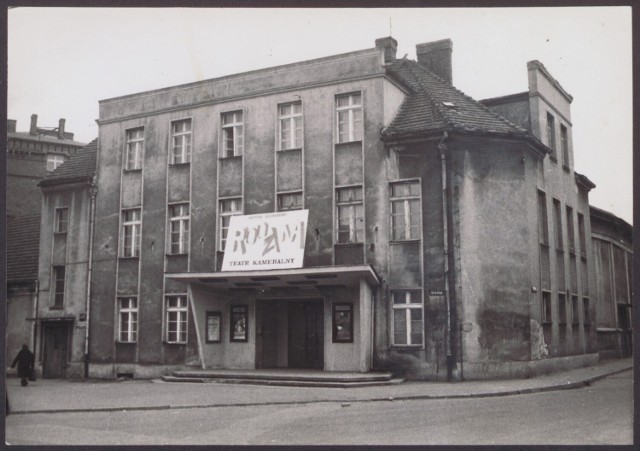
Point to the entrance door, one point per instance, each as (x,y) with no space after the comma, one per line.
(266,334)
(56,343)
(625,325)
(306,334)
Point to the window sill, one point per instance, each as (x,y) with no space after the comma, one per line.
(348,244)
(122,257)
(132,170)
(291,149)
(566,168)
(237,157)
(547,323)
(56,308)
(415,240)
(126,343)
(408,347)
(184,254)
(178,165)
(346,143)
(60,233)
(175,343)
(552,158)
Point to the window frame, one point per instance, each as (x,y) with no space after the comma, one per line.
(551,133)
(59,221)
(185,147)
(182,321)
(408,307)
(55,160)
(131,142)
(222,215)
(355,126)
(59,286)
(407,212)
(131,313)
(237,128)
(356,235)
(183,221)
(279,202)
(296,133)
(136,228)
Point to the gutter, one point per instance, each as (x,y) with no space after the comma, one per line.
(93,191)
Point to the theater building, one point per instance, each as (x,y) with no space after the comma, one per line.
(349,213)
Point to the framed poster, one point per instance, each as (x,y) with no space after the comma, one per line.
(239,330)
(343,322)
(213,327)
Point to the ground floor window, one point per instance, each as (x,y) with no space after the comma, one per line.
(176,319)
(128,313)
(407,317)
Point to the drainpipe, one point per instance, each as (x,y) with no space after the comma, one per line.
(34,326)
(93,191)
(442,147)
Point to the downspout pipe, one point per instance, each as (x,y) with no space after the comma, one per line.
(93,191)
(442,147)
(34,326)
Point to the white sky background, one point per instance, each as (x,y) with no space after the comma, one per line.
(62,61)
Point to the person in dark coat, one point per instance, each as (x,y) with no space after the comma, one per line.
(25,360)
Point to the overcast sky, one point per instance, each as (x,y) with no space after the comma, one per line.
(62,61)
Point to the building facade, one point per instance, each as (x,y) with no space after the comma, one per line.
(403,225)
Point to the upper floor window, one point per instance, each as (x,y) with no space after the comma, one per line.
(128,319)
(176,325)
(350,215)
(179,228)
(290,117)
(551,133)
(181,141)
(135,148)
(582,236)
(131,232)
(557,224)
(405,210)
(564,145)
(349,117)
(543,227)
(232,134)
(570,232)
(62,220)
(228,208)
(59,278)
(407,317)
(289,201)
(53,161)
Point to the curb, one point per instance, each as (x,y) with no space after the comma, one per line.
(555,387)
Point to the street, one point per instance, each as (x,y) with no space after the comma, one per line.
(599,414)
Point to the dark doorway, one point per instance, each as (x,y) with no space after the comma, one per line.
(55,350)
(624,324)
(306,334)
(267,334)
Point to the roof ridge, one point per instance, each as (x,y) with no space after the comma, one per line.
(476,102)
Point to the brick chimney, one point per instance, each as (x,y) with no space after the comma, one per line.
(390,46)
(436,56)
(61,128)
(33,130)
(11,125)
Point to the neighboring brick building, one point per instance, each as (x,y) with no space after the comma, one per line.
(437,238)
(30,157)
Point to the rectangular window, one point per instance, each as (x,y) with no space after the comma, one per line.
(232,134)
(180,142)
(289,201)
(570,230)
(176,319)
(405,211)
(179,228)
(228,208)
(543,228)
(407,317)
(557,224)
(131,232)
(350,215)
(62,220)
(564,145)
(128,317)
(575,313)
(53,161)
(58,276)
(547,317)
(562,309)
(585,311)
(135,149)
(290,119)
(349,117)
(582,237)
(551,133)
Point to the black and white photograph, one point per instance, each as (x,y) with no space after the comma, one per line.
(275,226)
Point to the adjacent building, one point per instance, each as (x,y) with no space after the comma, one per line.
(349,213)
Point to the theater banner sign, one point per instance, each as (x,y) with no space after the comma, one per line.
(266,241)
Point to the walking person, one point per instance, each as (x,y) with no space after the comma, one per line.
(25,360)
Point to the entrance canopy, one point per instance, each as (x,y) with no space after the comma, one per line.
(317,277)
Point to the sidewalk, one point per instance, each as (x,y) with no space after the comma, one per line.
(55,395)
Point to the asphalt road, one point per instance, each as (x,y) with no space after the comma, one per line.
(599,414)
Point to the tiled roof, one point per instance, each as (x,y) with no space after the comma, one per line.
(23,240)
(82,164)
(435,105)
